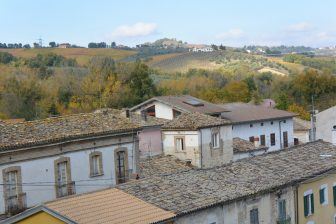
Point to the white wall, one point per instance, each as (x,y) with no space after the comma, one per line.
(303,136)
(238,156)
(38,174)
(191,151)
(325,121)
(239,211)
(244,131)
(161,110)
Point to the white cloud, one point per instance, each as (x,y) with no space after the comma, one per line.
(231,34)
(300,27)
(139,29)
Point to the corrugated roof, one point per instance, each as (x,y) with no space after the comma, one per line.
(241,145)
(181,103)
(244,112)
(57,129)
(188,191)
(108,207)
(194,121)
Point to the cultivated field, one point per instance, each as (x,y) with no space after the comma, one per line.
(82,55)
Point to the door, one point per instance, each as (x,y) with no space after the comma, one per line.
(62,178)
(285,139)
(121,167)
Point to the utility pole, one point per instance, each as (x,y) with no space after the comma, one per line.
(312,121)
(40,41)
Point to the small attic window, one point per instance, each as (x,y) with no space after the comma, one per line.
(194,103)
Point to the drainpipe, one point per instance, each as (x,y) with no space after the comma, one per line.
(280,135)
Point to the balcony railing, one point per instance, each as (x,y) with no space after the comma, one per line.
(66,189)
(284,221)
(16,203)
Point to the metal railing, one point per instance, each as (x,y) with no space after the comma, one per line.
(16,203)
(286,220)
(66,189)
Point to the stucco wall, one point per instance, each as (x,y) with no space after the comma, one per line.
(303,136)
(38,175)
(244,131)
(239,212)
(323,213)
(216,157)
(191,151)
(150,142)
(161,110)
(325,121)
(238,156)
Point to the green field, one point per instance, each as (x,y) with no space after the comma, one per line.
(82,55)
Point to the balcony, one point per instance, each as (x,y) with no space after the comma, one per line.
(65,189)
(284,221)
(16,203)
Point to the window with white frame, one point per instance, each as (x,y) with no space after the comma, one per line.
(323,193)
(215,139)
(308,203)
(254,216)
(96,164)
(282,216)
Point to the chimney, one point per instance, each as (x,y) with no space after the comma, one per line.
(256,141)
(144,115)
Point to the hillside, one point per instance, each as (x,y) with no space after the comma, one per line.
(82,55)
(181,62)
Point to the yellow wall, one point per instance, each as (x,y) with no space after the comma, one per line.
(41,218)
(323,214)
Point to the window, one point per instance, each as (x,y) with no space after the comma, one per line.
(284,121)
(121,163)
(96,164)
(271,122)
(251,139)
(262,140)
(285,139)
(334,219)
(272,139)
(215,140)
(14,198)
(254,216)
(251,125)
(179,144)
(261,124)
(308,203)
(296,141)
(176,113)
(64,185)
(323,193)
(282,210)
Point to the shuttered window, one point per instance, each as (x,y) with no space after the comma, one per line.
(262,140)
(322,199)
(308,204)
(334,195)
(254,216)
(272,139)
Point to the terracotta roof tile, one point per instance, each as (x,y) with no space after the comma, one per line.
(194,121)
(108,207)
(242,145)
(51,130)
(191,190)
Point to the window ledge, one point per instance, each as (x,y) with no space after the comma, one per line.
(96,175)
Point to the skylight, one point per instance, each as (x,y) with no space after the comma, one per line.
(194,103)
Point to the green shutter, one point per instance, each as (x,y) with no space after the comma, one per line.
(322,196)
(312,203)
(334,195)
(305,205)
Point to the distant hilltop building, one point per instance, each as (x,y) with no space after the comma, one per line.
(200,48)
(64,45)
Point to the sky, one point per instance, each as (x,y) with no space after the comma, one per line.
(231,23)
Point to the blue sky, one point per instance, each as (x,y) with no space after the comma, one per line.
(233,23)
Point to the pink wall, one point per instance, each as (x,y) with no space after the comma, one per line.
(150,143)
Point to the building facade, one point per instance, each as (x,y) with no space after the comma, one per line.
(56,157)
(326,125)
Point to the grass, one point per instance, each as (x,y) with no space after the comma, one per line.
(82,55)
(274,71)
(293,67)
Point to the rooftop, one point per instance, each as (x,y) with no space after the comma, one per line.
(194,121)
(185,103)
(244,112)
(301,125)
(56,129)
(110,206)
(241,145)
(188,191)
(161,165)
